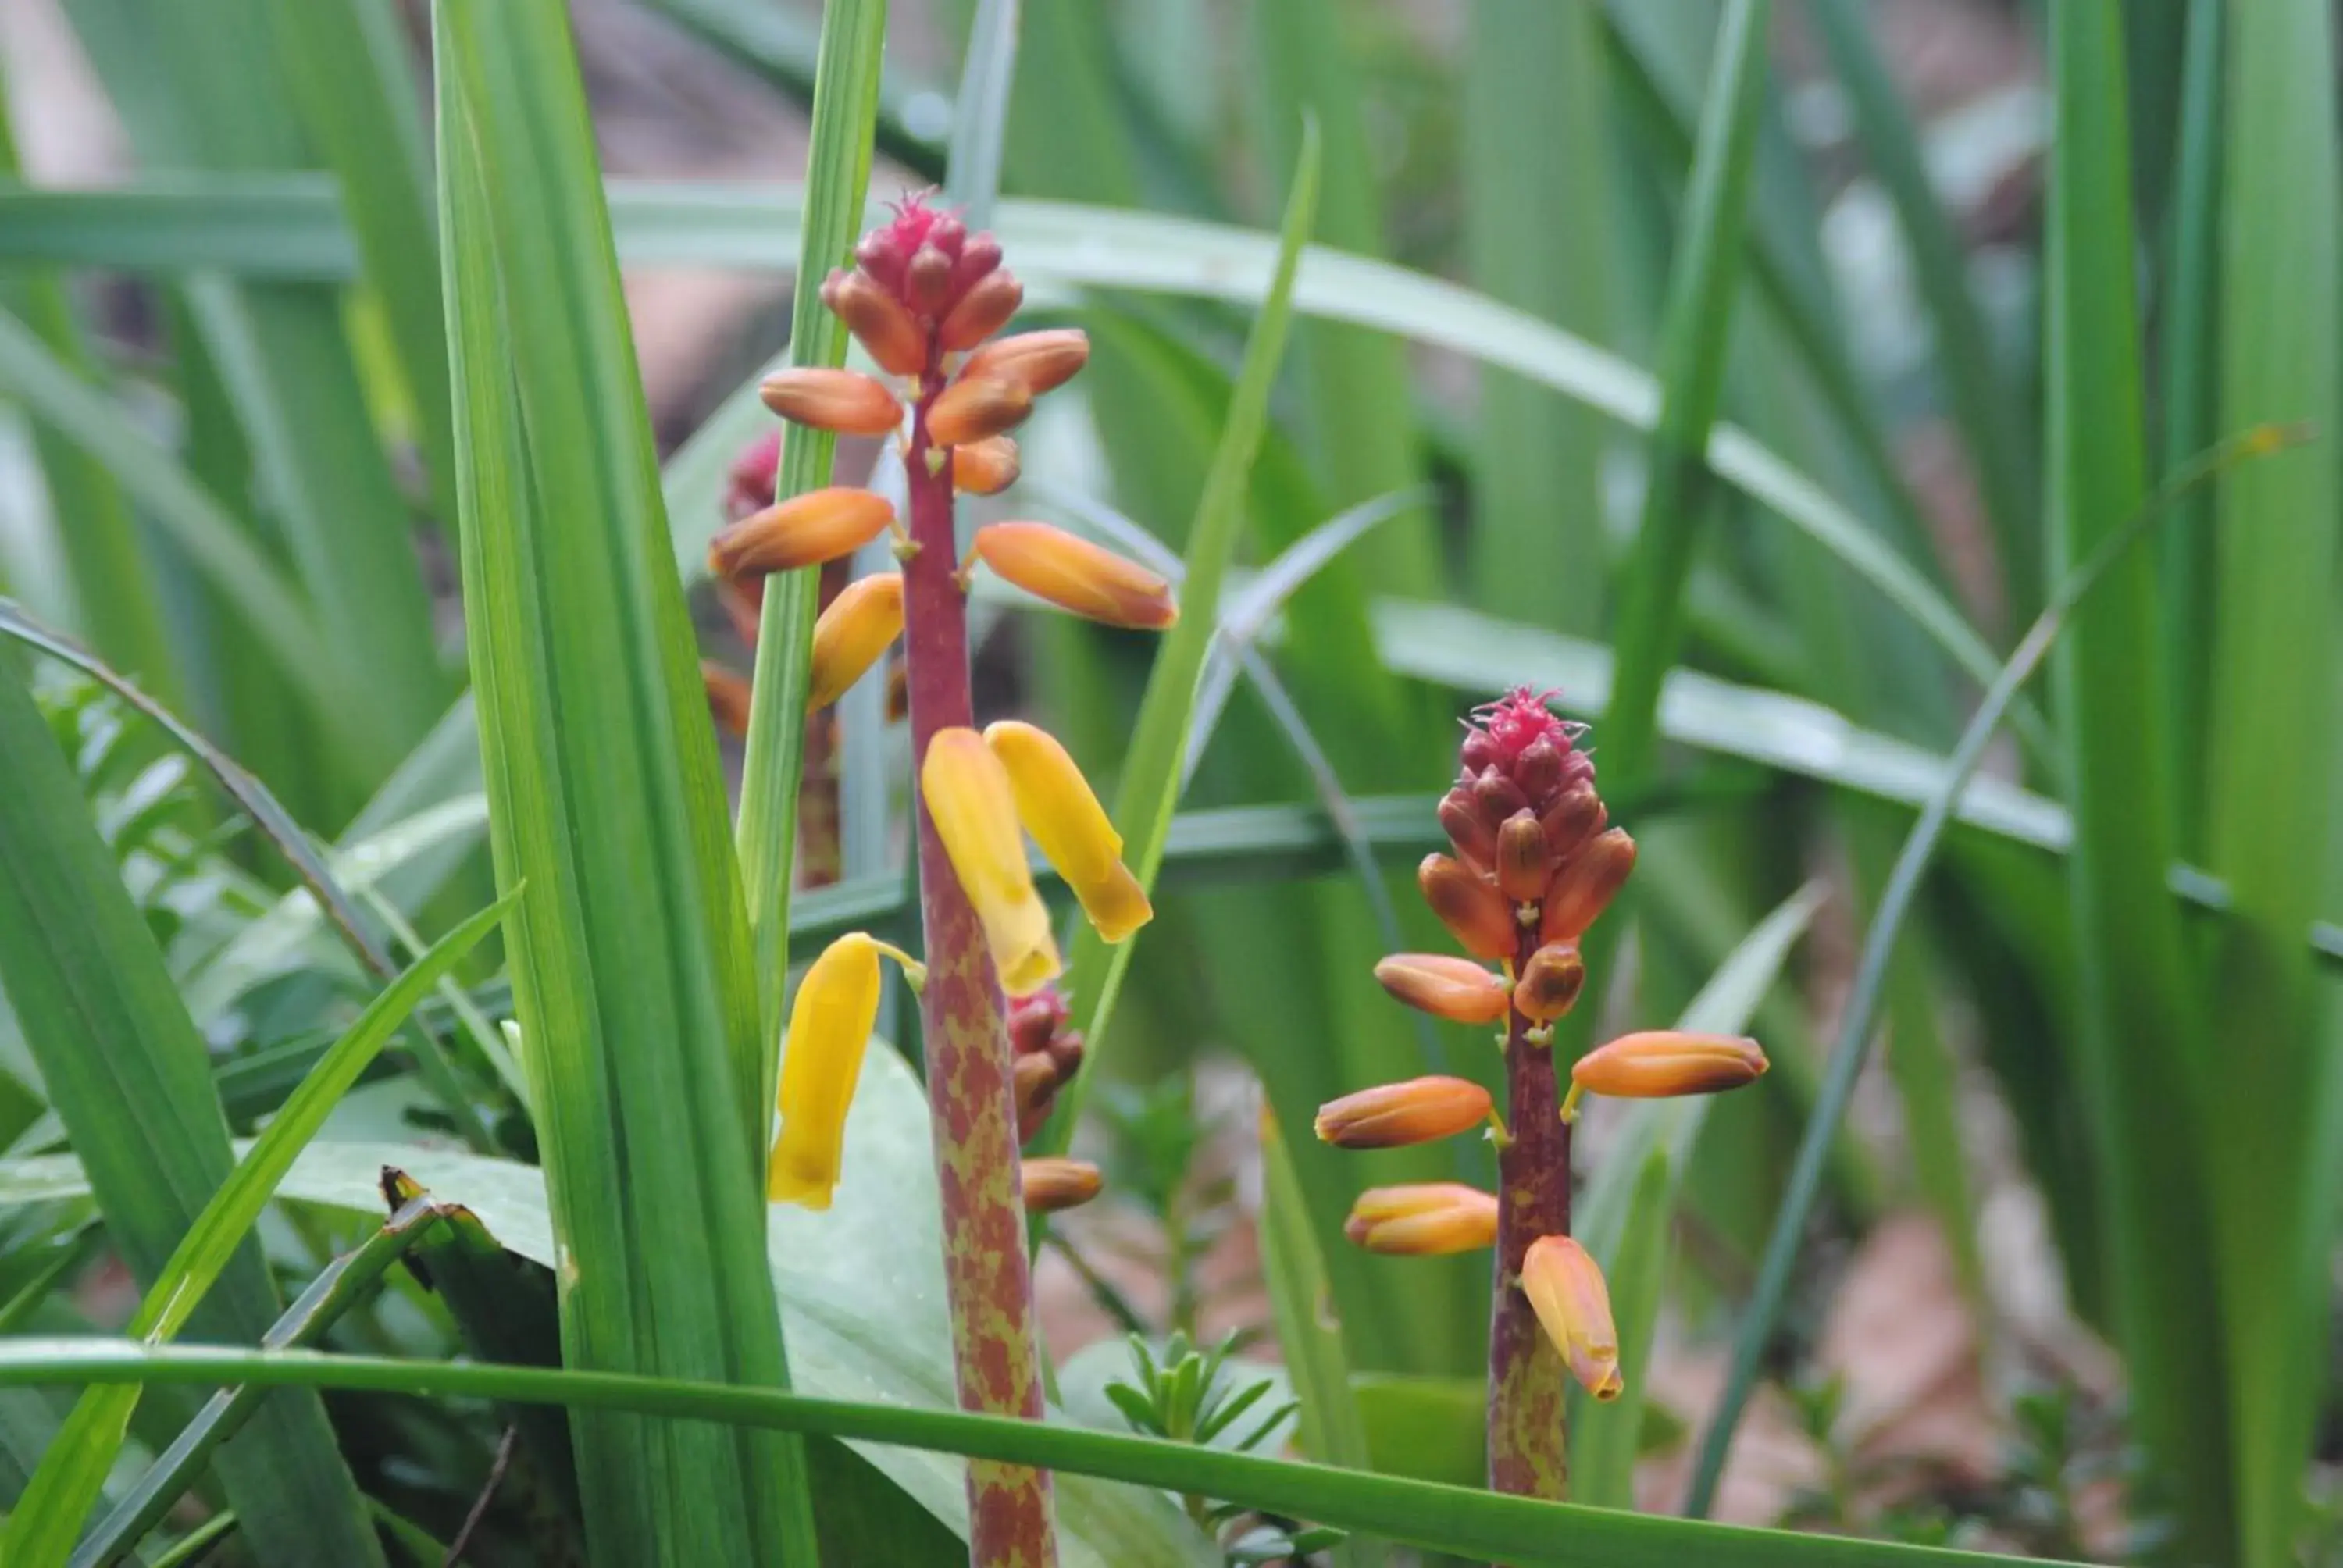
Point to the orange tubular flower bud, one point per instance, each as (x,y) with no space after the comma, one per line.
(1425,1220)
(1523,863)
(1550,982)
(1076,575)
(974,808)
(1035,1080)
(851,634)
(727,698)
(877,319)
(1039,361)
(1469,904)
(1576,815)
(830,1022)
(1055,803)
(1586,885)
(1393,1115)
(1663,1063)
(1053,1183)
(1445,986)
(844,401)
(1566,1291)
(984,468)
(974,407)
(982,311)
(802,531)
(1461,820)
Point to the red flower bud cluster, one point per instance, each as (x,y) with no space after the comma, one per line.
(1046,1051)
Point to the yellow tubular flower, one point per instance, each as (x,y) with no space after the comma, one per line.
(836,1009)
(1565,1289)
(974,807)
(1057,807)
(851,634)
(1424,1220)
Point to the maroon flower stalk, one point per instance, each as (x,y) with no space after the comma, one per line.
(995,1341)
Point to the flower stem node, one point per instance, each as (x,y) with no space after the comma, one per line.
(1470,905)
(1550,982)
(1663,1063)
(846,402)
(1565,1289)
(1053,1184)
(830,1022)
(802,531)
(1445,986)
(973,806)
(1424,1220)
(1393,1115)
(1585,886)
(1076,575)
(852,633)
(1058,808)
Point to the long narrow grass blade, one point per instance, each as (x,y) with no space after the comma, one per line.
(1452,1519)
(2139,1054)
(838,179)
(126,1071)
(606,796)
(1912,863)
(2274,1125)
(1151,774)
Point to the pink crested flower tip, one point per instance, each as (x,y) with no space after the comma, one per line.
(748,486)
(1519,719)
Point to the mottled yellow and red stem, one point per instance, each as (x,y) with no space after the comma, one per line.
(995,1348)
(1527,1454)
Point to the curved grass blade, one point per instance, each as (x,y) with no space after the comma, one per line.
(1912,863)
(1452,1519)
(66,1486)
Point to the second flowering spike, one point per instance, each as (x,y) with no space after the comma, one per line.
(1393,1115)
(971,801)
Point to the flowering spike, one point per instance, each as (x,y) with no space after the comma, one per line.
(802,531)
(971,802)
(974,407)
(1393,1115)
(1565,1289)
(844,401)
(1585,886)
(1663,1063)
(1445,986)
(830,1022)
(1053,1183)
(1550,982)
(1055,803)
(1076,575)
(1469,904)
(1422,1220)
(856,628)
(1038,361)
(984,468)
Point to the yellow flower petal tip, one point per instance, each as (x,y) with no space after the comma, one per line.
(1057,806)
(830,1022)
(1392,1115)
(1660,1065)
(1565,1289)
(1446,986)
(1052,1184)
(802,531)
(972,801)
(859,624)
(1075,574)
(1422,1220)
